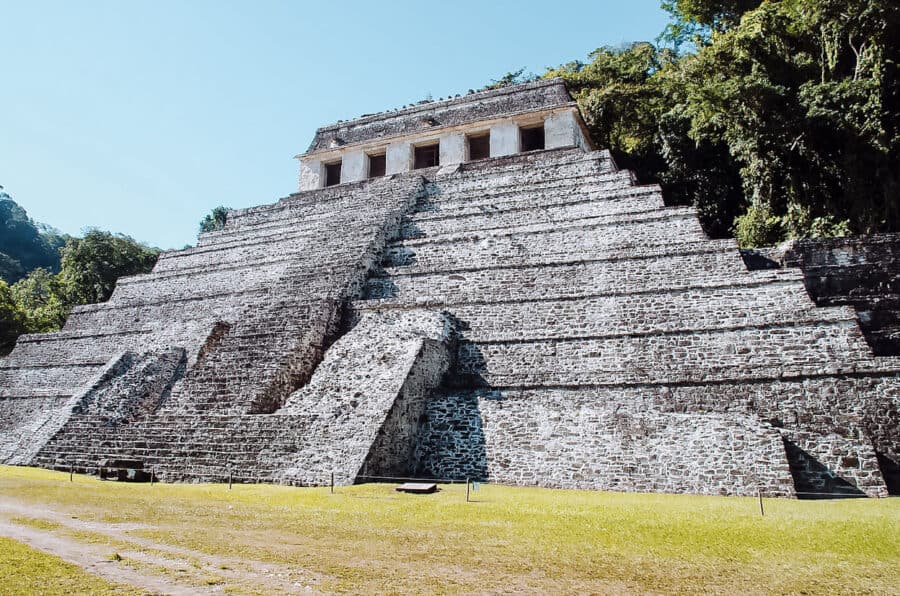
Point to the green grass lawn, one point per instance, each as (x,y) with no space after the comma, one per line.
(26,571)
(371,539)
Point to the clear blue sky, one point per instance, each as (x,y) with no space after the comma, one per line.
(140,117)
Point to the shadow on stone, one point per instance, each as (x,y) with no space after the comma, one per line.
(813,479)
(453,443)
(453,440)
(758,259)
(890,470)
(399,256)
(410,230)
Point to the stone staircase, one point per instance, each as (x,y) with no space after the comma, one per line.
(605,342)
(252,309)
(532,319)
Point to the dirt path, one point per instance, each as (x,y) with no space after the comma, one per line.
(180,570)
(92,559)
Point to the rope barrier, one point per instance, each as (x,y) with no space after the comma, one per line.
(229,477)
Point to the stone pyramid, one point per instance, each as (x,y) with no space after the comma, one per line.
(535,318)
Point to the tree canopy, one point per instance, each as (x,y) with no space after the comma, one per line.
(779,123)
(91,265)
(24,244)
(41,301)
(215,219)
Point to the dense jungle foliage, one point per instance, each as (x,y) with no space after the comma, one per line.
(25,245)
(776,119)
(50,273)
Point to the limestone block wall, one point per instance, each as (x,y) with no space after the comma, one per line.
(604,342)
(35,420)
(466,428)
(374,377)
(393,452)
(863,272)
(145,379)
(560,440)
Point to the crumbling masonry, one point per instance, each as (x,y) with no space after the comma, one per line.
(534,317)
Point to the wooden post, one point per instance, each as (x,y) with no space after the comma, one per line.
(151,476)
(467,490)
(230,477)
(332,482)
(71,473)
(759,494)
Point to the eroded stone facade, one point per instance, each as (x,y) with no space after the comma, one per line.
(531,318)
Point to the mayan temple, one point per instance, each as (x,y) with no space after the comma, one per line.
(468,288)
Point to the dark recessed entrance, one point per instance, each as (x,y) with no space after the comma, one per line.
(479,146)
(532,138)
(426,156)
(332,173)
(377,165)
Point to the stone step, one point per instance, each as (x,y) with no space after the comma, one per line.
(71,347)
(311,211)
(481,176)
(444,199)
(578,240)
(707,264)
(683,357)
(281,276)
(368,197)
(288,240)
(506,215)
(306,253)
(300,220)
(521,223)
(45,380)
(774,303)
(170,312)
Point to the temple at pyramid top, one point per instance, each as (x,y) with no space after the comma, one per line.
(494,123)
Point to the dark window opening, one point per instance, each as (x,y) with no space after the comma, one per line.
(480,146)
(426,156)
(377,165)
(332,173)
(532,138)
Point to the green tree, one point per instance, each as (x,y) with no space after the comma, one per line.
(91,265)
(516,77)
(781,122)
(41,300)
(632,99)
(801,94)
(695,21)
(24,245)
(215,220)
(12,320)
(621,102)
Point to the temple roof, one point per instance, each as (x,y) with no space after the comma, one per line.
(426,115)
